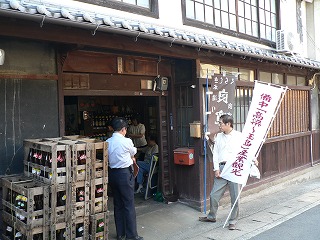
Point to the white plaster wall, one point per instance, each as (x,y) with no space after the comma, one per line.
(288,15)
(317,28)
(170,16)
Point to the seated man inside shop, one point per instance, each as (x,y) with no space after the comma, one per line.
(144,166)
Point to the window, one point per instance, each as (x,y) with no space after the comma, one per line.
(140,3)
(257,18)
(243,73)
(271,77)
(143,7)
(296,81)
(292,116)
(184,115)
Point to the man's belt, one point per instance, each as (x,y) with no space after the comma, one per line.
(222,163)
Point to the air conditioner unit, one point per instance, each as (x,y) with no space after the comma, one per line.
(286,41)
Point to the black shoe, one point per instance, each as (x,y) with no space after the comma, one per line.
(135,238)
(121,238)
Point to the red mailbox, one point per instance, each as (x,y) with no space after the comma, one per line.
(184,156)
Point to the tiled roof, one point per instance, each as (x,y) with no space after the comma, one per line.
(65,15)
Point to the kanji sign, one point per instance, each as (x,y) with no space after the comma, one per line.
(221,100)
(265,101)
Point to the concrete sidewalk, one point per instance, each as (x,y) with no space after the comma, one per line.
(259,211)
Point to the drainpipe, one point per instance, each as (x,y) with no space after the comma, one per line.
(312,81)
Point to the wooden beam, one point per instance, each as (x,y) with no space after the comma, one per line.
(29,76)
(112,93)
(81,38)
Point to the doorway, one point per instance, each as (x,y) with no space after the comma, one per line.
(90,115)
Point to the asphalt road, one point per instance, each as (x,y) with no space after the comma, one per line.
(305,226)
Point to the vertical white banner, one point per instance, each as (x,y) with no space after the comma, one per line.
(263,108)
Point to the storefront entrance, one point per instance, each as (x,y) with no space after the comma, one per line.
(90,116)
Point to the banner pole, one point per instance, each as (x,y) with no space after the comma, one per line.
(205,146)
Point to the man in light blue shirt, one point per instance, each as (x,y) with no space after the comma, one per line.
(121,156)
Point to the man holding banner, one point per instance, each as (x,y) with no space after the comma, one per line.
(222,152)
(234,153)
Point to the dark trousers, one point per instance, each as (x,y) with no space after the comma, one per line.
(122,185)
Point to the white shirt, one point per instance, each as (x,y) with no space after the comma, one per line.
(121,151)
(223,149)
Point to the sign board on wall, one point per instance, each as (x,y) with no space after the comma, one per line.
(221,100)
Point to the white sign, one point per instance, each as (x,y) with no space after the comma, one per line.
(265,101)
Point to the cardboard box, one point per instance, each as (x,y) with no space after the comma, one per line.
(184,156)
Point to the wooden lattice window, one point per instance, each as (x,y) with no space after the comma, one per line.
(293,115)
(256,18)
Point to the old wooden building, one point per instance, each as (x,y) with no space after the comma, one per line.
(108,58)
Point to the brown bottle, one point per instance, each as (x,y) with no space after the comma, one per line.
(80,194)
(9,232)
(99,191)
(38,236)
(100,225)
(82,157)
(30,156)
(61,234)
(61,198)
(38,202)
(36,156)
(61,159)
(48,160)
(79,230)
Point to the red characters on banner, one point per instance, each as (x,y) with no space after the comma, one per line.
(237,166)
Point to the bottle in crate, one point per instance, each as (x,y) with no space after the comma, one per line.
(30,155)
(82,157)
(61,234)
(38,202)
(79,230)
(61,159)
(80,194)
(100,225)
(61,198)
(99,191)
(38,236)
(48,160)
(19,236)
(9,232)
